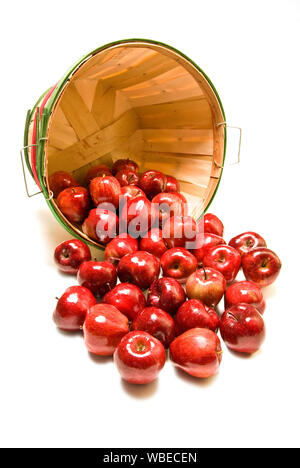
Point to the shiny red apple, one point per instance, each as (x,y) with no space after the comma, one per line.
(152,183)
(172,184)
(245,292)
(166,294)
(242,328)
(247,241)
(139,357)
(127,298)
(125,164)
(118,247)
(169,205)
(207,285)
(127,177)
(128,192)
(140,268)
(103,329)
(61,180)
(74,203)
(72,307)
(225,259)
(157,322)
(261,266)
(197,352)
(178,263)
(98,277)
(153,243)
(180,231)
(70,254)
(194,314)
(101,225)
(137,217)
(105,190)
(205,241)
(97,171)
(212,224)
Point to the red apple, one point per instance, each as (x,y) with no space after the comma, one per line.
(103,329)
(154,243)
(152,183)
(157,322)
(137,216)
(197,352)
(205,241)
(127,177)
(246,242)
(225,259)
(245,292)
(98,277)
(180,231)
(97,171)
(172,184)
(127,298)
(61,180)
(212,224)
(129,192)
(74,203)
(120,246)
(105,190)
(242,328)
(169,205)
(139,357)
(70,254)
(140,268)
(101,225)
(72,307)
(207,285)
(261,266)
(166,294)
(124,164)
(178,263)
(194,314)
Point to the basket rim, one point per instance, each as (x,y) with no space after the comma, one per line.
(40,155)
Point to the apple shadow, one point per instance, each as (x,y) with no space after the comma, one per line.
(69,333)
(244,355)
(140,391)
(100,359)
(269,291)
(195,380)
(53,234)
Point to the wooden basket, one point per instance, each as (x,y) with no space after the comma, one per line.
(134,98)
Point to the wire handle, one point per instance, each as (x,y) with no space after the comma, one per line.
(30,195)
(239,150)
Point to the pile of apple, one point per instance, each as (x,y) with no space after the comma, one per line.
(185,267)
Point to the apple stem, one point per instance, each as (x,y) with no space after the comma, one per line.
(57,298)
(205,275)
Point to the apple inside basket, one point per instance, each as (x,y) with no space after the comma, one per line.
(139,100)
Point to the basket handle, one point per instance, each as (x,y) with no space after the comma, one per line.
(29,195)
(239,150)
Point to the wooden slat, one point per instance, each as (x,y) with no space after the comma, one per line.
(103,105)
(168,87)
(62,134)
(86,89)
(150,67)
(186,141)
(194,169)
(77,113)
(189,113)
(92,147)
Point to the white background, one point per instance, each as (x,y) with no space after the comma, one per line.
(52,392)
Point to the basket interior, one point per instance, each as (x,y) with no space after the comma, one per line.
(145,102)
